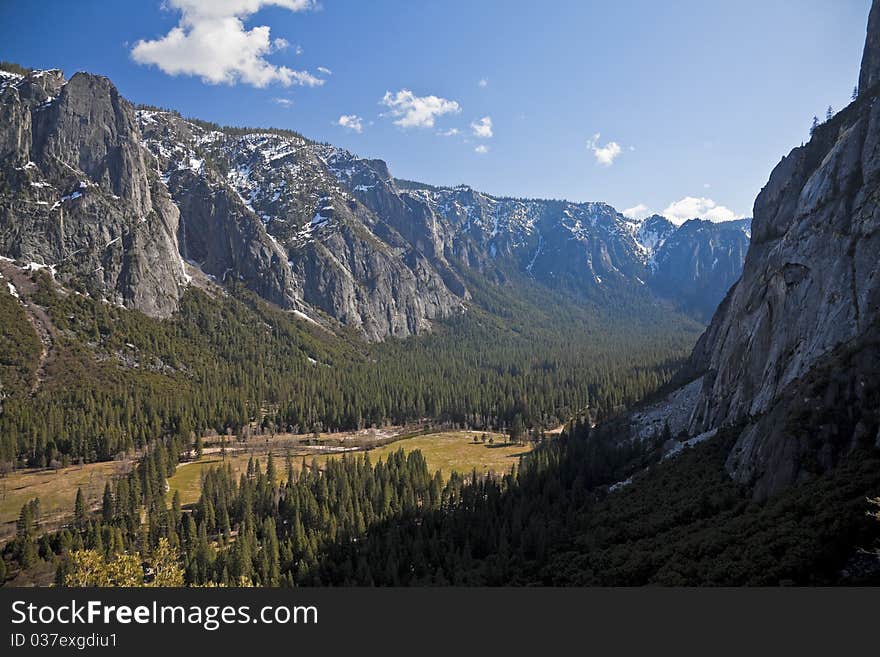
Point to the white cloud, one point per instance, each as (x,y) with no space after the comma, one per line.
(411,111)
(210,41)
(482,128)
(351,122)
(638,211)
(605,155)
(284,102)
(221,8)
(482,149)
(324,70)
(691,207)
(448,133)
(483,83)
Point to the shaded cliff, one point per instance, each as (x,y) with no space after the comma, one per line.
(792,350)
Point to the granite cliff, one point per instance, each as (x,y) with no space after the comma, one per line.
(791,355)
(77,196)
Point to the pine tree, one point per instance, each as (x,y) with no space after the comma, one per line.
(176,508)
(829,113)
(814,125)
(25,550)
(79,511)
(855,93)
(291,475)
(270,470)
(517,428)
(107,505)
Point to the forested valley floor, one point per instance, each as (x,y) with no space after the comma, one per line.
(581,507)
(113,387)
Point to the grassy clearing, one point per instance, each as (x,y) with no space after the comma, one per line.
(188,478)
(56,490)
(455,451)
(447,451)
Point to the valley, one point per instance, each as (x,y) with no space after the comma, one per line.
(262,359)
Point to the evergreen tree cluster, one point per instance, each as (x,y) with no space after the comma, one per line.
(554,520)
(118,380)
(273,533)
(133,518)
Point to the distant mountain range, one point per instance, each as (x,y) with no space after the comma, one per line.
(129,204)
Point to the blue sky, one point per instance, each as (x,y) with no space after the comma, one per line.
(690,99)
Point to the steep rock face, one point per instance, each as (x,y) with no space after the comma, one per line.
(218,232)
(397,218)
(783,340)
(810,280)
(870,71)
(265,208)
(226,241)
(370,182)
(369,286)
(77,196)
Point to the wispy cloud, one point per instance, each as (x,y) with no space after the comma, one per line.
(411,111)
(482,128)
(351,122)
(448,133)
(284,102)
(211,42)
(324,70)
(638,211)
(605,155)
(483,83)
(692,207)
(482,149)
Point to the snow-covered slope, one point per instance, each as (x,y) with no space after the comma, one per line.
(265,208)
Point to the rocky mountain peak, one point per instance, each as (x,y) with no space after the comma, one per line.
(111,157)
(76,195)
(653,231)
